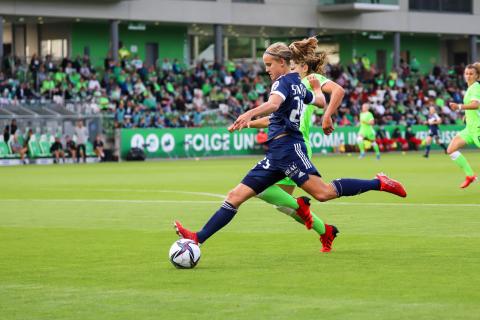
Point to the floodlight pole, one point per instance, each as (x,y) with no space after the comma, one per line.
(1,42)
(473,49)
(114,38)
(196,45)
(253,48)
(218,32)
(396,50)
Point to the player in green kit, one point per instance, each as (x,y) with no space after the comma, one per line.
(367,132)
(471,134)
(280,194)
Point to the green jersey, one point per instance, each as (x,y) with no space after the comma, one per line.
(365,118)
(366,129)
(472,116)
(306,117)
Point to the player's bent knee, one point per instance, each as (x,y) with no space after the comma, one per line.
(327,193)
(232,196)
(236,197)
(321,196)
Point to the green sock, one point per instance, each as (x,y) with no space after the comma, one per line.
(376,148)
(361,146)
(318,224)
(284,201)
(460,160)
(278,197)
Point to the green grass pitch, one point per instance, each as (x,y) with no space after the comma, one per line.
(91,242)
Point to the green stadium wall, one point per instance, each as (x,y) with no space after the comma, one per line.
(170,40)
(425,48)
(96,36)
(205,142)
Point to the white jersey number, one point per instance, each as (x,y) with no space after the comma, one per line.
(297,112)
(265,163)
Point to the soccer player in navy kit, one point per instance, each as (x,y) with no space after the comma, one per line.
(433,121)
(287,151)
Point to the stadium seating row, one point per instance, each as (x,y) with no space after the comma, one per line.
(36,149)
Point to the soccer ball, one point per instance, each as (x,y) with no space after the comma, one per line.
(184,254)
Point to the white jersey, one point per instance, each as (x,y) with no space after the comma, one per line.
(82,135)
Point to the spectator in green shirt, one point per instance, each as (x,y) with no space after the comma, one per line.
(415,65)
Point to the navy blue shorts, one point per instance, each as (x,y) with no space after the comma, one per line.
(433,132)
(286,157)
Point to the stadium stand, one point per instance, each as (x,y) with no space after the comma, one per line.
(169,94)
(172,95)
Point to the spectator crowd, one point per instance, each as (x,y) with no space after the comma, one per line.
(401,97)
(170,94)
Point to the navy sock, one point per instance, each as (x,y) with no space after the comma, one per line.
(352,187)
(427,150)
(444,147)
(219,220)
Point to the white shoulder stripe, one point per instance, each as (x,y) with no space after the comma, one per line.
(279,93)
(325,82)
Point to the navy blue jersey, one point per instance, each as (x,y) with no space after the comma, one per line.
(433,127)
(287,118)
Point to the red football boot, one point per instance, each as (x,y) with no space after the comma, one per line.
(327,238)
(392,186)
(303,211)
(185,233)
(468,181)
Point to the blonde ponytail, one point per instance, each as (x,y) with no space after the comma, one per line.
(304,49)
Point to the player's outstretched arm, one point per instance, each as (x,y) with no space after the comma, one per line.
(266,108)
(474,105)
(258,124)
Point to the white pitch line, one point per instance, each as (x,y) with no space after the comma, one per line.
(328,203)
(108,201)
(385,204)
(367,204)
(215,195)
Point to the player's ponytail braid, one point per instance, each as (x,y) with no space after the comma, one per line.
(317,63)
(279,50)
(306,51)
(303,50)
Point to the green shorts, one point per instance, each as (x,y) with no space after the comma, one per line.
(367,134)
(470,137)
(289,182)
